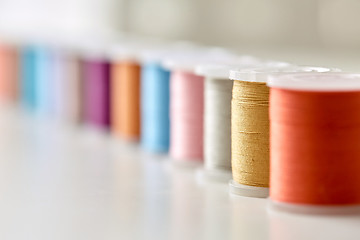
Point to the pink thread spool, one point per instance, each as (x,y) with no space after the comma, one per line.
(186,114)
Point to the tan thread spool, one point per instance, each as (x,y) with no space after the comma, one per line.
(125,99)
(250,133)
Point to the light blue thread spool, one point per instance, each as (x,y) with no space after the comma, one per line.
(44,80)
(36,78)
(155,122)
(27,77)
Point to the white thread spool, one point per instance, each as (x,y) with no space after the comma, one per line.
(217,118)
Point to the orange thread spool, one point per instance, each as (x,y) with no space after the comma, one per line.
(315,139)
(8,73)
(125,99)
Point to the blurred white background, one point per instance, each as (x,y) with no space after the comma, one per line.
(306,31)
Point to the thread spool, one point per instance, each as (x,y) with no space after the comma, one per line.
(314,142)
(60,75)
(155,91)
(250,127)
(28,76)
(125,92)
(217,118)
(8,73)
(74,104)
(67,84)
(155,119)
(187,103)
(96,83)
(44,79)
(37,73)
(186,113)
(72,90)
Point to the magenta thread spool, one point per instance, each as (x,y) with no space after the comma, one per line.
(96,87)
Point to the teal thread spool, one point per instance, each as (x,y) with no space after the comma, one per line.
(27,75)
(37,78)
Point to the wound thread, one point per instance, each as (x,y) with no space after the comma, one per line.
(28,77)
(315,147)
(68,88)
(250,133)
(125,99)
(217,124)
(155,119)
(97,92)
(44,80)
(186,114)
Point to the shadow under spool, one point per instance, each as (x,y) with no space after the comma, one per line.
(9,58)
(125,99)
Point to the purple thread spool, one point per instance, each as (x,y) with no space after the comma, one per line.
(96,92)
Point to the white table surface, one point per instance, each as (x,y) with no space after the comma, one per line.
(66,182)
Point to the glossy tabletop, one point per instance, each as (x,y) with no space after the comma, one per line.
(59,181)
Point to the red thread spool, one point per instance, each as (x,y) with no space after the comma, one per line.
(315,140)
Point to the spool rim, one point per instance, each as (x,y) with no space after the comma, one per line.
(221,71)
(248,191)
(262,73)
(324,82)
(189,59)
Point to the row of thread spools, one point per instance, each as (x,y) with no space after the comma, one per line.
(256,123)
